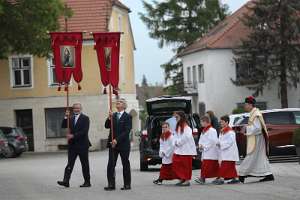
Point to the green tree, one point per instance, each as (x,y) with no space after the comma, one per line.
(271,53)
(25,23)
(174,73)
(179,23)
(144,81)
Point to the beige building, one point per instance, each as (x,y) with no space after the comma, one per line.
(28,90)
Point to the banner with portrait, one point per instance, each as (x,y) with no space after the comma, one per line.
(67,48)
(108,52)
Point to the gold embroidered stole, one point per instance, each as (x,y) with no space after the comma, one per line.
(251,139)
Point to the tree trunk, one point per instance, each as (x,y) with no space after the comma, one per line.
(283,89)
(283,59)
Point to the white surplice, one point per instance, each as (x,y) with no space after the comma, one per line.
(184,142)
(209,140)
(166,150)
(228,147)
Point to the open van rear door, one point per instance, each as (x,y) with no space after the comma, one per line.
(166,105)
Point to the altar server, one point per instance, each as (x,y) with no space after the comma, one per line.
(184,151)
(208,145)
(166,150)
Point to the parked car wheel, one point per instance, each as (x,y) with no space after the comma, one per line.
(10,152)
(18,154)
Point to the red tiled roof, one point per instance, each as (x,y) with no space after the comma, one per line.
(121,5)
(90,15)
(227,34)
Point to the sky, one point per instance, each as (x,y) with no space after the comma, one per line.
(148,56)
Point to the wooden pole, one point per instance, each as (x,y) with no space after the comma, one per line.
(67,84)
(68,110)
(110,109)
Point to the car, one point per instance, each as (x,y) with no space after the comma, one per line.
(280,124)
(236,118)
(3,145)
(159,110)
(17,141)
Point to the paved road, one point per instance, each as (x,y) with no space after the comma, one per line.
(34,176)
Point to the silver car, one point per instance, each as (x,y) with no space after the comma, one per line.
(3,145)
(17,141)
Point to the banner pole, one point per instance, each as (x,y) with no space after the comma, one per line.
(68,109)
(110,109)
(67,84)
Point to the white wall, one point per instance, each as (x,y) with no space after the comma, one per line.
(219,93)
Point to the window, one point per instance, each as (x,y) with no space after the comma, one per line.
(279,118)
(120,23)
(122,70)
(189,75)
(297,117)
(111,24)
(21,71)
(201,73)
(243,121)
(194,76)
(241,72)
(54,117)
(51,72)
(245,74)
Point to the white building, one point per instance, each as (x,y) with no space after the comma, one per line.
(209,69)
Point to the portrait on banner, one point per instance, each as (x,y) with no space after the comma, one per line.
(107,52)
(67,55)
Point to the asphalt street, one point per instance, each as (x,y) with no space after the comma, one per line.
(34,176)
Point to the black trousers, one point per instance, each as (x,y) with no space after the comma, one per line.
(112,160)
(84,159)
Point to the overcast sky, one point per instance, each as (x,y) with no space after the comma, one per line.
(148,56)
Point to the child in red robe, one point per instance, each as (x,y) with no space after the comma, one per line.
(229,153)
(184,151)
(166,153)
(210,156)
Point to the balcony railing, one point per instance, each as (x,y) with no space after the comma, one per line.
(190,86)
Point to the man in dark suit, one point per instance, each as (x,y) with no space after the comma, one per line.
(119,144)
(78,145)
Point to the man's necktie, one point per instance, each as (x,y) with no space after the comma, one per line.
(75,121)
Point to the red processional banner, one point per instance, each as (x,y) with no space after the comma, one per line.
(108,51)
(67,48)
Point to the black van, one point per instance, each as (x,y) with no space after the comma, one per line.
(159,110)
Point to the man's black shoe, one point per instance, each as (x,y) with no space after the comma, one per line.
(267,178)
(242,179)
(62,183)
(126,187)
(109,188)
(86,184)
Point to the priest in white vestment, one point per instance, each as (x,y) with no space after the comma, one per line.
(256,163)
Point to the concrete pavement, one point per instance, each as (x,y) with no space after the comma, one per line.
(34,176)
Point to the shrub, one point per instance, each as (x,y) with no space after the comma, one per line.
(238,110)
(296,137)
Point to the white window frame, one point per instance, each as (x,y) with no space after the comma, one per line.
(194,75)
(111,23)
(201,77)
(122,69)
(11,71)
(188,75)
(120,23)
(50,74)
(120,26)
